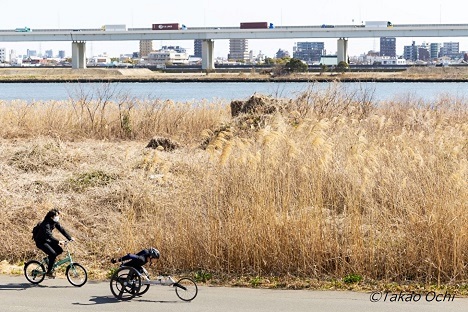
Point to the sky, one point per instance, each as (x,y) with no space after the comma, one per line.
(211,13)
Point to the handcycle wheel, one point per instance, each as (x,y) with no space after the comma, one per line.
(76,274)
(186,289)
(144,288)
(125,283)
(34,271)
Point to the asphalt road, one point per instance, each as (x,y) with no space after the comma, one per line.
(16,295)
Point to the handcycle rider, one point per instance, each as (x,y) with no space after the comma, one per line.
(139,259)
(46,242)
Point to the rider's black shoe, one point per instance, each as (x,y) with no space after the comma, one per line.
(50,275)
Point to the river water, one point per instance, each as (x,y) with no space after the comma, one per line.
(227,91)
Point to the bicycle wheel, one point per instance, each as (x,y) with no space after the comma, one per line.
(76,274)
(186,289)
(125,283)
(34,271)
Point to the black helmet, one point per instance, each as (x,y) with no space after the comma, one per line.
(153,253)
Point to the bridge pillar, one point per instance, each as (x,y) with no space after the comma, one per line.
(207,54)
(342,50)
(78,54)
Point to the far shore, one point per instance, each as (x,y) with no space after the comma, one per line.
(56,75)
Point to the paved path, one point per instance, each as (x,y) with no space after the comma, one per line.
(16,295)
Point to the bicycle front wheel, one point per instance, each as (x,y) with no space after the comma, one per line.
(186,289)
(34,271)
(76,274)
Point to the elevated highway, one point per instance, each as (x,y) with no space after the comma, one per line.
(208,35)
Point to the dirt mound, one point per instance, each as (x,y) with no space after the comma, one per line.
(257,104)
(163,143)
(247,117)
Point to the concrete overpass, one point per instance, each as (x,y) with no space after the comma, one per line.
(79,37)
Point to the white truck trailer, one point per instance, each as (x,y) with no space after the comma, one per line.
(120,27)
(378,24)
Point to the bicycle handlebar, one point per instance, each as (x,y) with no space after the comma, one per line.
(65,243)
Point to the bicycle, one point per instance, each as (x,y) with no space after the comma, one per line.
(127,282)
(35,271)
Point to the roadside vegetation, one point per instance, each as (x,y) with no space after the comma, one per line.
(328,188)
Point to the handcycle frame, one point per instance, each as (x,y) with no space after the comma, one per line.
(126,283)
(35,271)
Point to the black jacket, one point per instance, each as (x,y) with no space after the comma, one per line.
(136,260)
(45,232)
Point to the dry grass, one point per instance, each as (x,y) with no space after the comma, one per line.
(99,117)
(320,191)
(460,72)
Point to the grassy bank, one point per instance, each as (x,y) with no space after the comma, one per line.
(324,187)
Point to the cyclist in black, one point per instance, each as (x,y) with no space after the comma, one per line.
(46,242)
(139,259)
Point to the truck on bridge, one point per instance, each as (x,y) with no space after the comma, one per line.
(256,25)
(23,29)
(378,24)
(119,27)
(170,26)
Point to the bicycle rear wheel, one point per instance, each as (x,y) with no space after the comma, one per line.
(186,289)
(76,274)
(125,283)
(34,271)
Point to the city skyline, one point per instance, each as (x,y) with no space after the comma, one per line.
(388,50)
(207,13)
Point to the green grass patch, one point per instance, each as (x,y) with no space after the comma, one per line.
(86,180)
(352,278)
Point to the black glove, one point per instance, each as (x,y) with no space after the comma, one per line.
(113,260)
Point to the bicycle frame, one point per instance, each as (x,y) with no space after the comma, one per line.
(163,280)
(35,270)
(148,281)
(67,259)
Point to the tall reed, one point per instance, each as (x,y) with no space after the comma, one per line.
(319,191)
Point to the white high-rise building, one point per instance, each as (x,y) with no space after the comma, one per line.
(168,56)
(450,49)
(4,57)
(435,50)
(238,49)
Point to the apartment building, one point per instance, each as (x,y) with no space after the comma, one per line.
(388,46)
(310,52)
(168,56)
(197,48)
(49,54)
(238,49)
(450,49)
(435,50)
(411,52)
(3,55)
(146,47)
(432,51)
